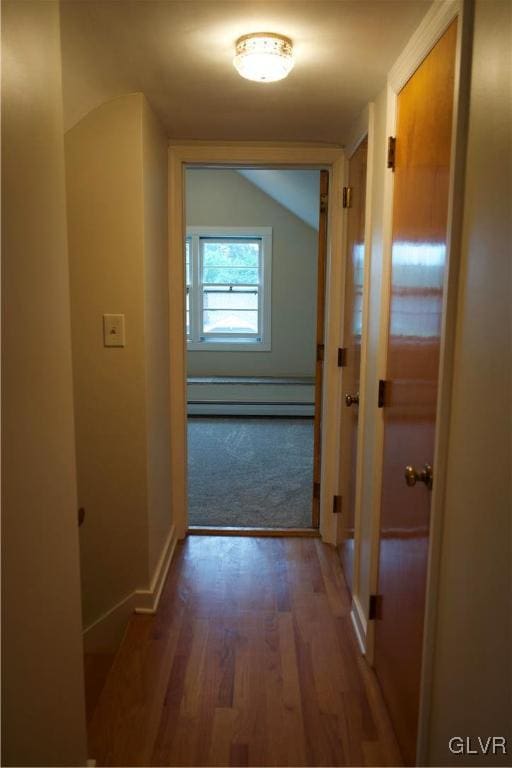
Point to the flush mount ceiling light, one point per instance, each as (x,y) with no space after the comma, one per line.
(264,57)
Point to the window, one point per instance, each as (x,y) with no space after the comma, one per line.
(228,279)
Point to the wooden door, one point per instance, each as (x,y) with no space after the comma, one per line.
(320,324)
(352,328)
(420,208)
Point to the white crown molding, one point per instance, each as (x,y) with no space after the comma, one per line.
(435,22)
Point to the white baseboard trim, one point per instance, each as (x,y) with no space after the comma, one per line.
(147,600)
(359,623)
(106,632)
(250,409)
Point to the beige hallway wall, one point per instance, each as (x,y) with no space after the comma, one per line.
(116,163)
(472,682)
(106,251)
(43,718)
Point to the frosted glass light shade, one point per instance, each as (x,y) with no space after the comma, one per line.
(264,57)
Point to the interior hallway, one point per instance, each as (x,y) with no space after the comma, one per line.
(250,660)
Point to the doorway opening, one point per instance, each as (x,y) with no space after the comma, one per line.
(252,270)
(330,161)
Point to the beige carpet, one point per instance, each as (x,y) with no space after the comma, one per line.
(250,472)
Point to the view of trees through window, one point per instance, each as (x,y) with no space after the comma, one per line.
(230,286)
(226,298)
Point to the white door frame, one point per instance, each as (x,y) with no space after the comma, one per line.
(364,128)
(255,156)
(421,43)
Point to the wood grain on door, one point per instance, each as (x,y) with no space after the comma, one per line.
(420,211)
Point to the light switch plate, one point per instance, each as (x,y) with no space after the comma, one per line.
(113,331)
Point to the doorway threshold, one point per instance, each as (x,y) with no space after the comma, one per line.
(207,530)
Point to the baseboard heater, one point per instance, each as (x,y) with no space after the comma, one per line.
(238,408)
(250,396)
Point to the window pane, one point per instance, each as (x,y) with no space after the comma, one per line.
(231,253)
(230,275)
(187,284)
(187,261)
(223,298)
(230,321)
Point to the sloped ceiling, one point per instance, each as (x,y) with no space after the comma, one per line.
(296,190)
(179,54)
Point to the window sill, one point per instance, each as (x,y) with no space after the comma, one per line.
(228,346)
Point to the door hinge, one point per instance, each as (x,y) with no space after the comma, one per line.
(347,197)
(316,490)
(375,607)
(324,202)
(342,357)
(336,505)
(381,399)
(81,516)
(320,349)
(391,152)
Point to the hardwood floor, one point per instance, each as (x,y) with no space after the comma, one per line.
(250,660)
(96,669)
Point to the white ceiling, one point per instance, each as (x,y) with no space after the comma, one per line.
(179,54)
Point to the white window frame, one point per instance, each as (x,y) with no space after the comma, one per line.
(208,344)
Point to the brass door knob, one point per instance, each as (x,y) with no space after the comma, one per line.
(425,476)
(352,400)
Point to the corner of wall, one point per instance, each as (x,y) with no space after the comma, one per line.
(156,333)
